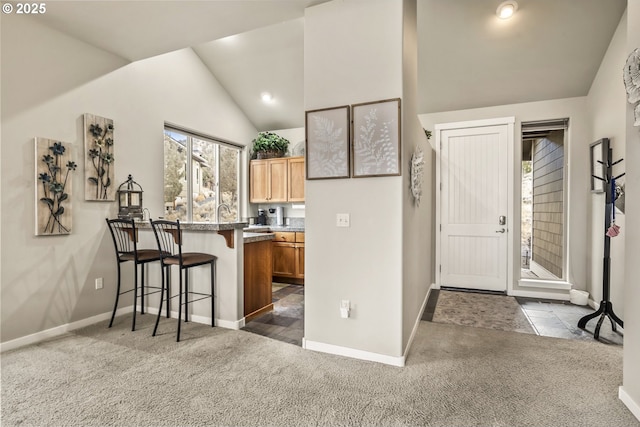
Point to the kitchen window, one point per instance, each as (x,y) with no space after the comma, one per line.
(201,177)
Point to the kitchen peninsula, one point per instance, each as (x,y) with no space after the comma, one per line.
(224,240)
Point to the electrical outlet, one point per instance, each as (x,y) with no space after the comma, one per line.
(344,308)
(343,220)
(99,283)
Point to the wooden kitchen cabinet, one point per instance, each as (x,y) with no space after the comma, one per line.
(296,179)
(276,180)
(268,181)
(258,273)
(288,257)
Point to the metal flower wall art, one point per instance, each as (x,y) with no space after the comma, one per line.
(54,169)
(99,158)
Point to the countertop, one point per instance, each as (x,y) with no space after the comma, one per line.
(272,228)
(201,226)
(250,237)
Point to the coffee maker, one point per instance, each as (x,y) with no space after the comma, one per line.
(262,217)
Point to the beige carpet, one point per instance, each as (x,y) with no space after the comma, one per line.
(455,376)
(481,310)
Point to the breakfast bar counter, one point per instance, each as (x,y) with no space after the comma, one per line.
(226,242)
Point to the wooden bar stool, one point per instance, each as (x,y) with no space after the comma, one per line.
(169,238)
(125,241)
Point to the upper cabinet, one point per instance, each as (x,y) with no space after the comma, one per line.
(276,180)
(296,179)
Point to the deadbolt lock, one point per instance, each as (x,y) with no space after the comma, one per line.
(502,220)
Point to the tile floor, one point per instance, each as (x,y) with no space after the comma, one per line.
(549,318)
(286,321)
(559,319)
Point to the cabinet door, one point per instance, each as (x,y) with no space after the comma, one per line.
(278,185)
(300,260)
(284,259)
(296,179)
(259,181)
(258,266)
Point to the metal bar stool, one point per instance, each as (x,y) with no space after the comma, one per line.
(125,241)
(169,238)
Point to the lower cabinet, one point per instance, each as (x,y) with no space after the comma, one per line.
(258,267)
(288,257)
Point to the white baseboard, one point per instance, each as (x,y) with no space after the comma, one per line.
(544,284)
(535,294)
(68,327)
(633,406)
(415,325)
(59,330)
(353,353)
(205,320)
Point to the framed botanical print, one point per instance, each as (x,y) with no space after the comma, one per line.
(375,143)
(327,143)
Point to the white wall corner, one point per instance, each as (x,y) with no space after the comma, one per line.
(417,323)
(633,406)
(353,353)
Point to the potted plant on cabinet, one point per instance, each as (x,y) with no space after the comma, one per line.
(268,145)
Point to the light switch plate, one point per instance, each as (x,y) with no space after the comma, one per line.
(342,220)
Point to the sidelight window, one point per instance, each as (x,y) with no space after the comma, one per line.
(543,246)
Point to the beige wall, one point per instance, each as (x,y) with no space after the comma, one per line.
(606,104)
(363,263)
(49,80)
(631,375)
(417,224)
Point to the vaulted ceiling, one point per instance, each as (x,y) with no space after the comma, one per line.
(467,57)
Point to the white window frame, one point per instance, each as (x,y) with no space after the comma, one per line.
(218,142)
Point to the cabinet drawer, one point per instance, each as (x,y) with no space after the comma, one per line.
(284,236)
(299,237)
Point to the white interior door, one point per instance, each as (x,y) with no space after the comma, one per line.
(473,207)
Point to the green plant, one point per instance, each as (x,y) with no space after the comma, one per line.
(270,142)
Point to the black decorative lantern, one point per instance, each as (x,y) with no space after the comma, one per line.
(130,199)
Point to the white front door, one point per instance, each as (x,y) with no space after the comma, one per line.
(474,207)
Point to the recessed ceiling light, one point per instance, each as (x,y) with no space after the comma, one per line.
(267,98)
(507,9)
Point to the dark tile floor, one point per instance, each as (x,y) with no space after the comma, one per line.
(286,321)
(552,318)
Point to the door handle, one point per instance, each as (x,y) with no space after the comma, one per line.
(502,230)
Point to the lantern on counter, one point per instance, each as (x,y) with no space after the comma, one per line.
(130,199)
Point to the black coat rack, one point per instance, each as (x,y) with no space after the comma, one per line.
(606,308)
